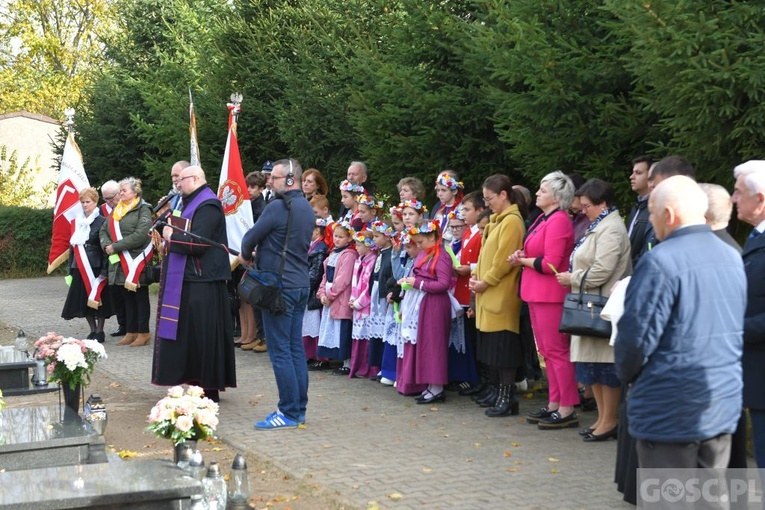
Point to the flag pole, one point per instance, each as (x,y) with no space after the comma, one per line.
(69,112)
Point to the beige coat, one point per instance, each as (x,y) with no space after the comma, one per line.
(606,252)
(498,308)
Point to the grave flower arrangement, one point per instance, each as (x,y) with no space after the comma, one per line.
(70,361)
(184,415)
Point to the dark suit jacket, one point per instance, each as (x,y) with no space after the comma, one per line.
(754,324)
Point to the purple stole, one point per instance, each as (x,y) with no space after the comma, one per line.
(169,310)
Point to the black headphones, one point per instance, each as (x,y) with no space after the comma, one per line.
(289,180)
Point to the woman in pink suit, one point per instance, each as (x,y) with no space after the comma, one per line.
(546,251)
(425,358)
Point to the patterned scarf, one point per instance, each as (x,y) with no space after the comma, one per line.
(122,208)
(592,226)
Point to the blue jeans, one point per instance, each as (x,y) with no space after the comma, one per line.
(284,339)
(758,434)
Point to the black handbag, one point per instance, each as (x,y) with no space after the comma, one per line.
(581,313)
(263,289)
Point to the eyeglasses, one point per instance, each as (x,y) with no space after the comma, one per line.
(187,177)
(457,227)
(106,199)
(487,200)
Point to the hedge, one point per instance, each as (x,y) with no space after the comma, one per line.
(25,235)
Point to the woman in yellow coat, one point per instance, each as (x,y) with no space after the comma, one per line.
(498,305)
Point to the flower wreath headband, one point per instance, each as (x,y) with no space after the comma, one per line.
(457,214)
(414,204)
(382,228)
(396,211)
(406,238)
(370,202)
(321,222)
(428,227)
(345,224)
(448,180)
(364,237)
(351,187)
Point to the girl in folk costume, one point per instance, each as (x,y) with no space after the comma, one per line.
(125,239)
(449,192)
(317,253)
(335,293)
(470,245)
(369,210)
(88,296)
(360,302)
(393,345)
(425,352)
(348,193)
(378,313)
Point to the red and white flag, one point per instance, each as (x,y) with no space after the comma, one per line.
(232,190)
(194,158)
(71,180)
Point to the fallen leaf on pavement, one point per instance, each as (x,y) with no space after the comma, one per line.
(395,496)
(127,454)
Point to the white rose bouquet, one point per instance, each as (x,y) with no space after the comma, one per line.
(70,361)
(183,415)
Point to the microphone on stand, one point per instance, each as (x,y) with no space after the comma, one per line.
(162,203)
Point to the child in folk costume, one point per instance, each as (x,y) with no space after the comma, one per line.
(369,209)
(393,346)
(335,293)
(348,193)
(360,302)
(317,253)
(390,331)
(465,370)
(382,234)
(426,302)
(449,192)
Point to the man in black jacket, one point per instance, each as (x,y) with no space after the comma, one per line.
(638,226)
(749,197)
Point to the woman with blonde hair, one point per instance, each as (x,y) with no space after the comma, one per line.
(125,239)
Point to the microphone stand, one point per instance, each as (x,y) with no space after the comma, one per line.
(200,238)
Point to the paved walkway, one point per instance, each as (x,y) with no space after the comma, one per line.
(365,441)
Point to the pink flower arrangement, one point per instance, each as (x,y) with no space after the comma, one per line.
(184,414)
(70,361)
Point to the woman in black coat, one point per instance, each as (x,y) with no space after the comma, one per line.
(87,269)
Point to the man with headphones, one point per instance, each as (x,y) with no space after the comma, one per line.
(284,229)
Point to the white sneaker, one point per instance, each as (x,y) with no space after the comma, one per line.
(522,385)
(387,382)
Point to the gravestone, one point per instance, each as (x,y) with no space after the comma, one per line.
(46,436)
(142,485)
(14,374)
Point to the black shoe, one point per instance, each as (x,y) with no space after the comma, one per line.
(119,332)
(490,399)
(342,371)
(474,389)
(596,438)
(482,393)
(101,337)
(541,414)
(589,404)
(318,366)
(556,421)
(91,336)
(586,432)
(429,398)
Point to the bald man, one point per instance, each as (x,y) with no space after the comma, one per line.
(195,343)
(680,338)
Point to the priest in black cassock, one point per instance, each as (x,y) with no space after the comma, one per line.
(195,343)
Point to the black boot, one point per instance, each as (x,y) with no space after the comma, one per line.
(491,398)
(506,404)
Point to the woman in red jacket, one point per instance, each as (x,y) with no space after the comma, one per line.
(546,251)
